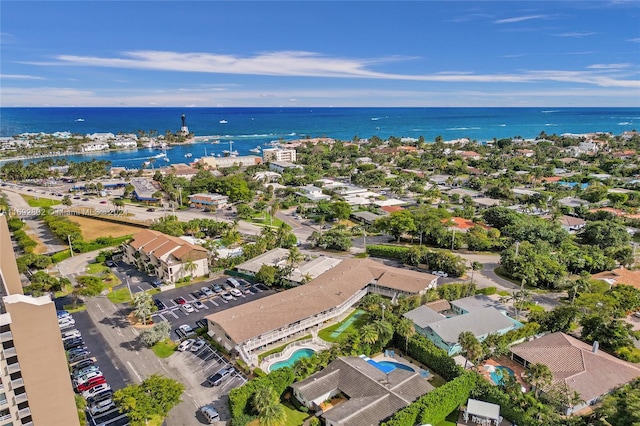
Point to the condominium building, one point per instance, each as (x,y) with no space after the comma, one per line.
(279,154)
(250,327)
(35,387)
(169,258)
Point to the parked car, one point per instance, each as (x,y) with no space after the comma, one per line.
(201,323)
(199,295)
(73,343)
(100,396)
(156,282)
(103,202)
(160,304)
(86,370)
(88,377)
(85,199)
(217,288)
(440,274)
(210,414)
(184,346)
(66,323)
(102,406)
(207,291)
(96,390)
(198,305)
(185,330)
(199,344)
(233,282)
(62,314)
(92,383)
(181,300)
(151,209)
(110,263)
(226,296)
(220,377)
(71,334)
(79,356)
(82,365)
(188,308)
(235,292)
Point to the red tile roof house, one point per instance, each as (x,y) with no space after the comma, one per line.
(461,224)
(576,366)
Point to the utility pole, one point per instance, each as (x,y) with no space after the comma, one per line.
(517,248)
(453,238)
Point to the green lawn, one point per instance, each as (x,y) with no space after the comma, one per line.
(326,334)
(294,417)
(96,268)
(40,202)
(69,308)
(436,381)
(121,295)
(164,349)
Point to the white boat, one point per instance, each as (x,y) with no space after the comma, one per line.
(79,119)
(215,142)
(161,155)
(223,121)
(188,155)
(166,159)
(255,150)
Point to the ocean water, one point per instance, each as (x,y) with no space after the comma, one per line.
(251,127)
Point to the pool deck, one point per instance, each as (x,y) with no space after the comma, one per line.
(518,370)
(287,352)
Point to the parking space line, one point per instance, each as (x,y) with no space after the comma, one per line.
(214,302)
(173,313)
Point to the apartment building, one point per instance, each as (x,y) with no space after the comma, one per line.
(169,258)
(35,387)
(279,154)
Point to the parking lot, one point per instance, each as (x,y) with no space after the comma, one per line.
(194,368)
(177,316)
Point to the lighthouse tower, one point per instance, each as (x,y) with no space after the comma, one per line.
(184,130)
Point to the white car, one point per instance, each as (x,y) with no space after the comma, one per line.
(207,291)
(198,305)
(186,345)
(188,308)
(88,376)
(67,323)
(96,390)
(226,296)
(198,345)
(101,407)
(440,274)
(235,292)
(71,334)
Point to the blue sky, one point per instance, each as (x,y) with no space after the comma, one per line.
(325,53)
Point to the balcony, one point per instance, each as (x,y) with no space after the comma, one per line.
(6,336)
(9,352)
(5,417)
(3,402)
(24,412)
(15,384)
(20,398)
(13,368)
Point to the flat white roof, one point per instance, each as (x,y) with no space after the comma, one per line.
(483,409)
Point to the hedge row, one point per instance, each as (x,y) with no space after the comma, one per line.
(240,398)
(26,243)
(435,406)
(425,351)
(389,252)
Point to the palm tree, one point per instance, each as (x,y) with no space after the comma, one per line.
(143,306)
(385,330)
(475,266)
(406,329)
(369,334)
(471,348)
(540,376)
(190,267)
(273,415)
(263,397)
(294,257)
(274,209)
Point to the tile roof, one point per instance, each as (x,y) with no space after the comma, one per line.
(574,364)
(422,316)
(480,323)
(373,395)
(439,305)
(327,291)
(160,244)
(620,276)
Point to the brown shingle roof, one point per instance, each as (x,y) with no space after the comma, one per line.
(331,289)
(439,305)
(574,364)
(620,276)
(160,244)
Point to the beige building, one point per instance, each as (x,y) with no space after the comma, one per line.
(169,258)
(35,386)
(250,327)
(279,154)
(222,162)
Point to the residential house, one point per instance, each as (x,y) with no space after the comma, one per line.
(169,258)
(366,217)
(572,224)
(313,193)
(369,393)
(250,327)
(480,315)
(94,146)
(281,166)
(576,366)
(619,276)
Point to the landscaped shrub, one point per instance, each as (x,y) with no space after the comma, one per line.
(389,252)
(488,291)
(426,352)
(240,398)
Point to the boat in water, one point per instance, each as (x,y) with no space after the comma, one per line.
(255,150)
(215,141)
(223,121)
(79,119)
(161,155)
(188,155)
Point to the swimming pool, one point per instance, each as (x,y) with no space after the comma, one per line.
(498,374)
(387,366)
(300,353)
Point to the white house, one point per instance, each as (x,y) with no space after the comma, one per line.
(94,146)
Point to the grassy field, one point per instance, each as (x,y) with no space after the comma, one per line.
(96,268)
(40,248)
(40,202)
(326,333)
(294,417)
(94,228)
(164,349)
(121,295)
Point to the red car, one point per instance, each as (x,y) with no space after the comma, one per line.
(91,383)
(181,300)
(103,202)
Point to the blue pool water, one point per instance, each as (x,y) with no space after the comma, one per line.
(300,353)
(499,373)
(388,366)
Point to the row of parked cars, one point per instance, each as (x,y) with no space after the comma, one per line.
(86,376)
(229,290)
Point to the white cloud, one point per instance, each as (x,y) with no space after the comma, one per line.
(634,40)
(20,77)
(574,34)
(309,64)
(519,19)
(609,66)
